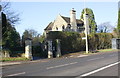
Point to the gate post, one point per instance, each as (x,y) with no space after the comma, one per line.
(28,48)
(58,53)
(50,53)
(115,43)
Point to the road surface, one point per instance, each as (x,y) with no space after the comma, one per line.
(102,64)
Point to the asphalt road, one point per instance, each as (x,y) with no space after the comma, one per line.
(102,64)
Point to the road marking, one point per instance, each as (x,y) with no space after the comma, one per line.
(4,64)
(61,65)
(16,74)
(95,59)
(82,55)
(86,74)
(112,55)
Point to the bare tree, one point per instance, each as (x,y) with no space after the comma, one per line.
(12,17)
(33,32)
(105,27)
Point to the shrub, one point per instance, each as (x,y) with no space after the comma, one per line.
(100,41)
(38,52)
(70,41)
(93,41)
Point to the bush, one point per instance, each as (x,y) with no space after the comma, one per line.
(38,52)
(93,41)
(100,41)
(17,54)
(70,41)
(17,51)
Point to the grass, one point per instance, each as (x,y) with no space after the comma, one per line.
(77,53)
(84,52)
(107,50)
(5,59)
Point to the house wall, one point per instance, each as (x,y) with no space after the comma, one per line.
(58,23)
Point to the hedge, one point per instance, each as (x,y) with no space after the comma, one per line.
(99,41)
(72,41)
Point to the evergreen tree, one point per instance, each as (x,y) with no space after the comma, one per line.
(92,23)
(10,37)
(25,35)
(118,26)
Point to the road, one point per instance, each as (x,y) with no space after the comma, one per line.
(102,64)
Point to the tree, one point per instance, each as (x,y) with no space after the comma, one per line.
(25,35)
(92,23)
(31,33)
(37,40)
(10,37)
(114,33)
(118,26)
(12,17)
(4,24)
(105,27)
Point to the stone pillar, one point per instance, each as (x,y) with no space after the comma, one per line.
(7,54)
(28,48)
(114,45)
(118,43)
(50,52)
(58,53)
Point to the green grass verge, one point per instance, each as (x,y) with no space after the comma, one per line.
(5,59)
(107,50)
(97,51)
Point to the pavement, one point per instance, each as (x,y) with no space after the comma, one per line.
(38,60)
(41,60)
(22,62)
(101,64)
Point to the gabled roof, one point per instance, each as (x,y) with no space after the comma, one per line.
(67,19)
(49,27)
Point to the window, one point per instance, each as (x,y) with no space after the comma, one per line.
(69,26)
(63,27)
(56,28)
